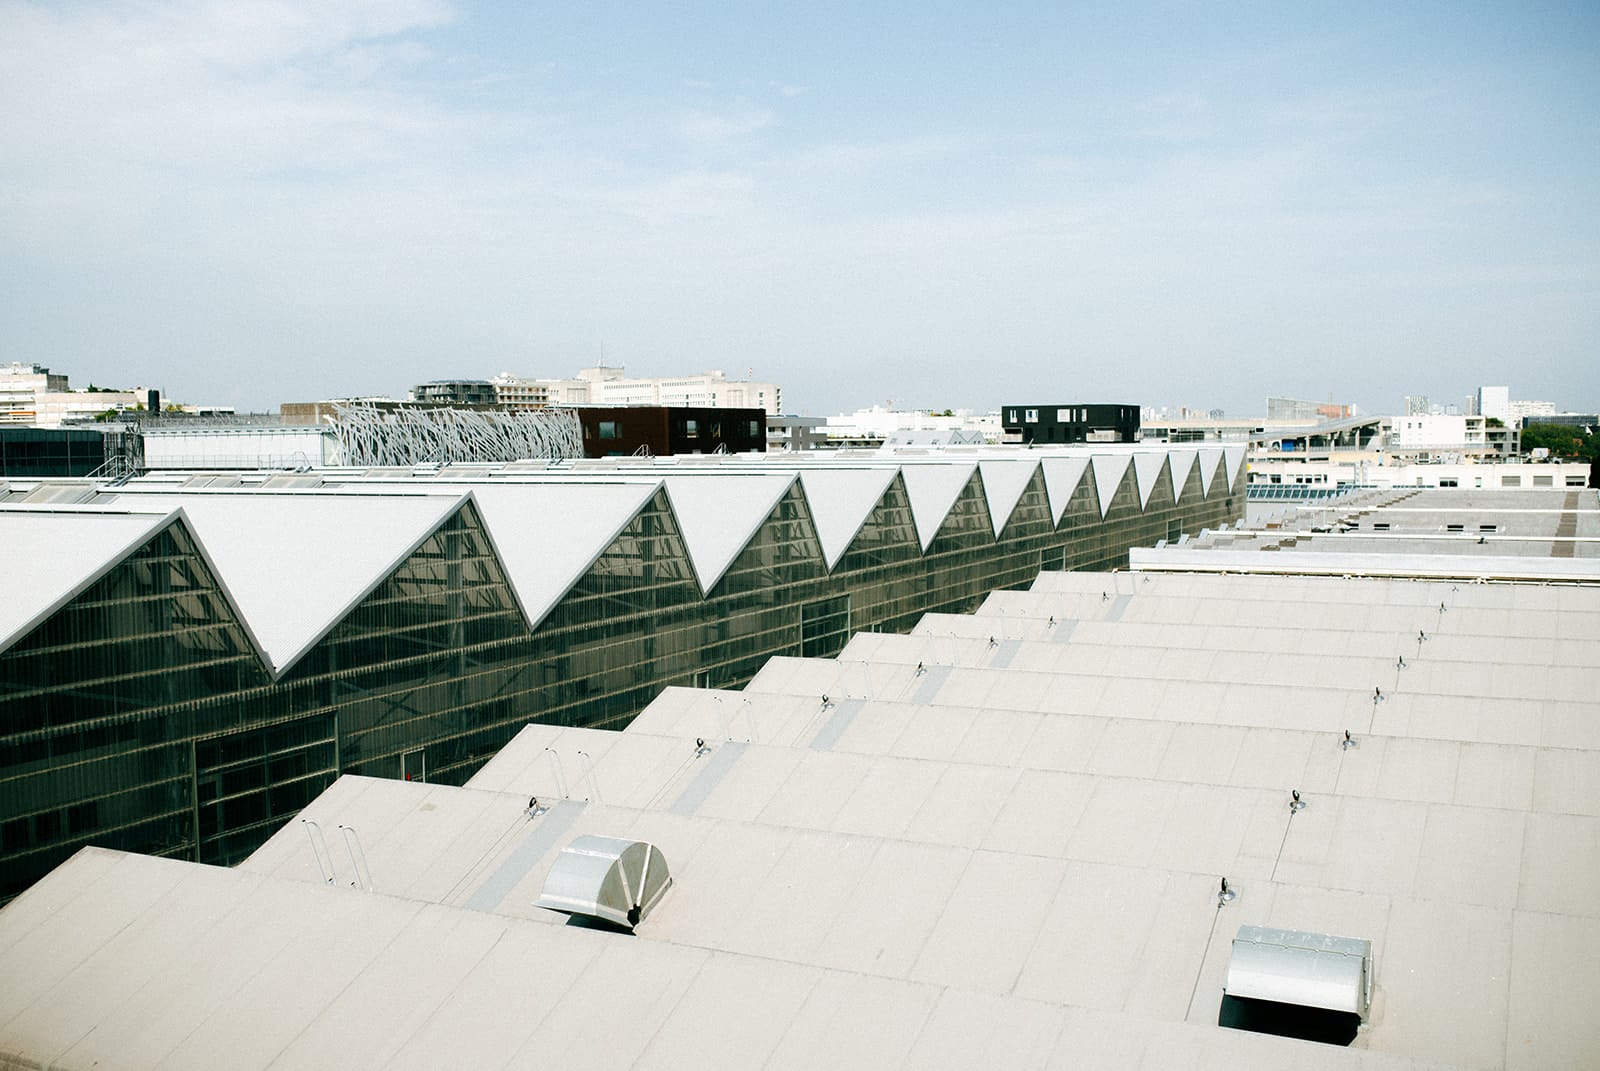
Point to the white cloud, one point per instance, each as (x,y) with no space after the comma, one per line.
(709,126)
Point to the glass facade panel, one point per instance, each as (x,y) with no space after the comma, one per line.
(140,717)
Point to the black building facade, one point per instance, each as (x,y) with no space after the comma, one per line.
(1076,423)
(659,430)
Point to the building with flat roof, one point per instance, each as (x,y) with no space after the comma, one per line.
(187,659)
(1115,820)
(1495,534)
(612,386)
(1077,423)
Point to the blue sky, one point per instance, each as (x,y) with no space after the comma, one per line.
(930,203)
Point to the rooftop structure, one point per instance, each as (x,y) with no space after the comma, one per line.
(1081,826)
(1532,534)
(186,659)
(1301,409)
(612,386)
(1076,423)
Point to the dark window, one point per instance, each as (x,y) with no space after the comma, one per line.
(1288,1020)
(610,429)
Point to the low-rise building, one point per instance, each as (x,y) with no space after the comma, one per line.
(1076,423)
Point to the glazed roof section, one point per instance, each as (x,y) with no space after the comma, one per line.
(52,554)
(296,558)
(984,847)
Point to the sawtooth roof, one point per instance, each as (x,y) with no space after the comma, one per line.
(287,554)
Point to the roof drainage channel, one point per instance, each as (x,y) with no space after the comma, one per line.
(844,712)
(533,848)
(1118,606)
(717,767)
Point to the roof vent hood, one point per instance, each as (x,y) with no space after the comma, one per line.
(606,878)
(1312,970)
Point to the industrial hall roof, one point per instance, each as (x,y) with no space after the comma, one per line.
(295,553)
(999,841)
(1525,534)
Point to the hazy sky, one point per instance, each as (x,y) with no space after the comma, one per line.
(939,204)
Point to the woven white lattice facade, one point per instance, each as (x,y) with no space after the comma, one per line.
(368,435)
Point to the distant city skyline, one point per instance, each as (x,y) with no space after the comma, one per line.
(1182,205)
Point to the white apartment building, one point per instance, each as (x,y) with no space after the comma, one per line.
(612,386)
(882,424)
(21,383)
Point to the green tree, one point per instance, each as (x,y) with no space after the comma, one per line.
(1560,440)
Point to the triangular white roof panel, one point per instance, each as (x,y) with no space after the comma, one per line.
(1182,465)
(1062,475)
(840,503)
(549,534)
(1003,484)
(1234,457)
(295,565)
(1108,472)
(1210,458)
(933,489)
(719,513)
(1147,469)
(53,555)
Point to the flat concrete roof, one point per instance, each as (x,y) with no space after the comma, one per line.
(998,840)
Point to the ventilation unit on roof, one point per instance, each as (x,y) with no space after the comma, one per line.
(1303,985)
(606,879)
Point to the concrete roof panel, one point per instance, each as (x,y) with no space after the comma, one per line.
(983,1030)
(886,920)
(807,889)
(585,1030)
(1123,822)
(1554,975)
(854,1021)
(886,800)
(1428,944)
(741,1006)
(1018,826)
(963,805)
(1473,855)
(990,922)
(1419,770)
(1561,865)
